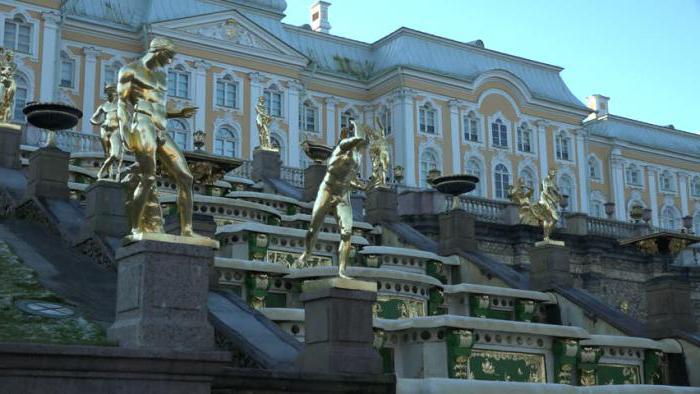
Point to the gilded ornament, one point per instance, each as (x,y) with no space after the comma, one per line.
(648,246)
(542,213)
(8,86)
(263,120)
(379,153)
(588,377)
(107,118)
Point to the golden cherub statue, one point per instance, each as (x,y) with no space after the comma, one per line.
(263,120)
(542,213)
(106,117)
(143,87)
(7,84)
(334,194)
(379,153)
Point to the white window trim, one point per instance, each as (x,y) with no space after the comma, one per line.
(674,183)
(238,109)
(190,80)
(533,139)
(464,115)
(302,114)
(572,148)
(28,76)
(573,197)
(690,185)
(601,178)
(190,131)
(438,152)
(509,136)
(77,65)
(341,112)
(494,163)
(237,133)
(483,182)
(276,89)
(640,168)
(103,73)
(34,45)
(438,118)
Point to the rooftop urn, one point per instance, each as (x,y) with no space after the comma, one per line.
(609,209)
(52,117)
(636,213)
(454,185)
(646,215)
(316,152)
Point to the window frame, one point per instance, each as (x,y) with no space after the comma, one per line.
(499,132)
(19,20)
(470,130)
(427,112)
(65,58)
(423,175)
(385,118)
(187,133)
(179,72)
(274,110)
(477,192)
(308,107)
(227,80)
(17,114)
(563,143)
(638,171)
(498,180)
(220,142)
(520,132)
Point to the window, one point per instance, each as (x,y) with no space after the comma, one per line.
(666,182)
(226,92)
(670,218)
(528,177)
(566,187)
(21,92)
(501,181)
(597,209)
(178,82)
(18,35)
(273,101)
(385,118)
(594,168)
(429,160)
(474,168)
(111,73)
(524,138)
(633,175)
(309,117)
(471,127)
(345,118)
(695,187)
(67,71)
(226,142)
(426,119)
(177,130)
(499,134)
(696,223)
(563,147)
(276,142)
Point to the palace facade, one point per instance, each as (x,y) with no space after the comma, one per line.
(447,105)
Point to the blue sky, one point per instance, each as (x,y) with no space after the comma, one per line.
(643,54)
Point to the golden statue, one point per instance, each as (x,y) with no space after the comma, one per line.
(142,89)
(263,119)
(334,195)
(542,213)
(379,153)
(106,117)
(7,84)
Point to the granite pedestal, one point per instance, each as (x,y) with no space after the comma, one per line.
(456,232)
(10,139)
(549,266)
(313,176)
(669,306)
(266,164)
(105,213)
(338,324)
(162,294)
(381,205)
(48,174)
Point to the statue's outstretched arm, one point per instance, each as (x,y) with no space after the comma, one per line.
(97,118)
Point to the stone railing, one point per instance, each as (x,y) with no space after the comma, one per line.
(293,175)
(484,209)
(69,141)
(244,170)
(611,228)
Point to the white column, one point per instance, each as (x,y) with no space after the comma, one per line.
(88,84)
(200,95)
(618,185)
(255,92)
(454,135)
(368,112)
(293,92)
(654,203)
(405,135)
(331,105)
(582,170)
(683,186)
(49,61)
(542,147)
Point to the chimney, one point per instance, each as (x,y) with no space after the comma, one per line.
(598,103)
(319,17)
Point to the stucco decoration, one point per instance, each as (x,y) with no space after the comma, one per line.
(230,30)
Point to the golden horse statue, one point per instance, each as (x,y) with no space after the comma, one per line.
(543,212)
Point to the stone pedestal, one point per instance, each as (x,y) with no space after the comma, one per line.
(549,265)
(577,223)
(313,176)
(162,294)
(338,326)
(381,205)
(48,174)
(105,213)
(266,164)
(669,307)
(456,232)
(10,139)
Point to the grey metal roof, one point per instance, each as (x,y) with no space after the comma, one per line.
(651,136)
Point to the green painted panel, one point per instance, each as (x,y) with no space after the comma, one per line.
(507,366)
(617,374)
(276,300)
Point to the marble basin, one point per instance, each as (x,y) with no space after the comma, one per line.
(454,185)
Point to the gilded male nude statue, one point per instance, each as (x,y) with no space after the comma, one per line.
(106,117)
(143,87)
(334,196)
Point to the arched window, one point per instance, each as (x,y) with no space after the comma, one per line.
(18,35)
(226,142)
(227,92)
(633,176)
(471,127)
(501,181)
(346,117)
(111,71)
(566,187)
(177,130)
(563,146)
(499,134)
(474,168)
(67,79)
(427,119)
(178,82)
(597,208)
(309,117)
(695,187)
(273,101)
(385,118)
(429,160)
(666,182)
(21,94)
(276,142)
(696,223)
(594,169)
(528,177)
(670,219)
(524,138)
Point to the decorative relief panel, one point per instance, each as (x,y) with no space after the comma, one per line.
(230,30)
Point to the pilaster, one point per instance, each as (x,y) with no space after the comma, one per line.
(88,87)
(200,94)
(331,104)
(654,201)
(542,147)
(618,185)
(293,152)
(454,135)
(405,134)
(582,170)
(49,65)
(255,92)
(683,190)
